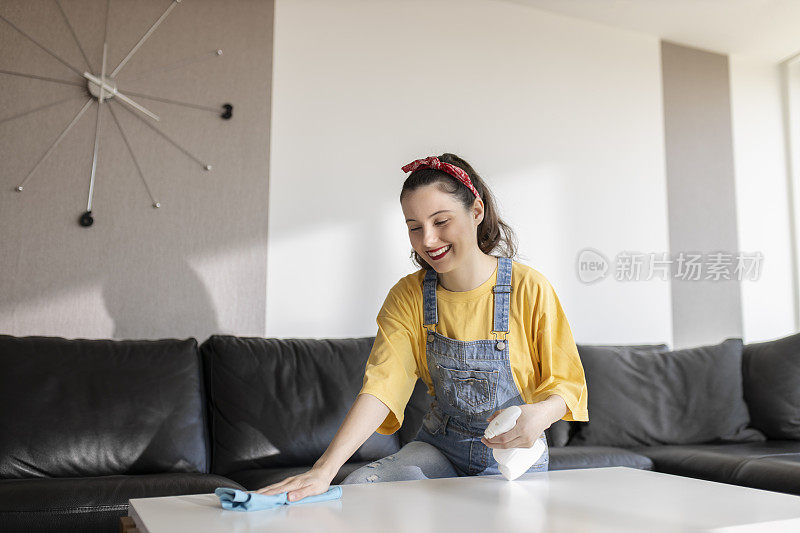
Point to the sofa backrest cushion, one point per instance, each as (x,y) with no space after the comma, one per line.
(279,402)
(561,431)
(687,396)
(85,407)
(771,374)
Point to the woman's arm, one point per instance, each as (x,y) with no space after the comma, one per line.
(556,354)
(535,418)
(364,417)
(555,407)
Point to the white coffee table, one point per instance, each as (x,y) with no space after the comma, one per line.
(613,499)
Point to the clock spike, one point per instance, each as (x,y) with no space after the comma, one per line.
(179,64)
(151,126)
(78,72)
(160,99)
(63,133)
(105,35)
(45,78)
(74,36)
(135,161)
(18,115)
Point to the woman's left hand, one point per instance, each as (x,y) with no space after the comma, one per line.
(530,425)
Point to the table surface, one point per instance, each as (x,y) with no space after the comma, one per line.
(612,499)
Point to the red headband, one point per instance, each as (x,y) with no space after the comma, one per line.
(434,163)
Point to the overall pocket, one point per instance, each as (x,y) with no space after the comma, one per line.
(471,391)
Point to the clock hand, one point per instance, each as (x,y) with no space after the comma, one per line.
(97,124)
(143,39)
(119,95)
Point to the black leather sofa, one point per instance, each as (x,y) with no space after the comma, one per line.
(86,425)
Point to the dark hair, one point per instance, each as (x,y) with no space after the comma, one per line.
(492,232)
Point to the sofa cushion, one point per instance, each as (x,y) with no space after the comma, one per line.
(561,431)
(279,402)
(771,379)
(684,396)
(84,407)
(748,450)
(728,463)
(568,457)
(779,474)
(89,504)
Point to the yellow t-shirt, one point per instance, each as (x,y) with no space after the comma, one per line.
(544,358)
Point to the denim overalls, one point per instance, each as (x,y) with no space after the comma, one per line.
(471,380)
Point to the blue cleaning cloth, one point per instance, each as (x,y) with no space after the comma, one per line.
(239,500)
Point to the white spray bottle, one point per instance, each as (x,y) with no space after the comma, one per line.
(512,462)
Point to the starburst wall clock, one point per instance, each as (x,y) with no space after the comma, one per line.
(103,91)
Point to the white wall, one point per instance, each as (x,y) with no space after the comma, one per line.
(562,117)
(761,196)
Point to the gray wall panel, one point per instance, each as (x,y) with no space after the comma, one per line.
(700,190)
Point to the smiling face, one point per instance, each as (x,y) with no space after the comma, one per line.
(441,231)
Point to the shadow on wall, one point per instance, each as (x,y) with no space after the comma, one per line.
(144,303)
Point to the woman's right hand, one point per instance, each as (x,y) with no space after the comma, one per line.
(311,483)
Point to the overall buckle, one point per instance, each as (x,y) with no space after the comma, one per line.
(430,331)
(501,343)
(501,288)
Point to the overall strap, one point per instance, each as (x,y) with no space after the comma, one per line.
(502,294)
(431,315)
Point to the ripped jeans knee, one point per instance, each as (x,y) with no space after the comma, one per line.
(371,478)
(384,470)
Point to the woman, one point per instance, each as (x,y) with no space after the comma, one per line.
(523,353)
